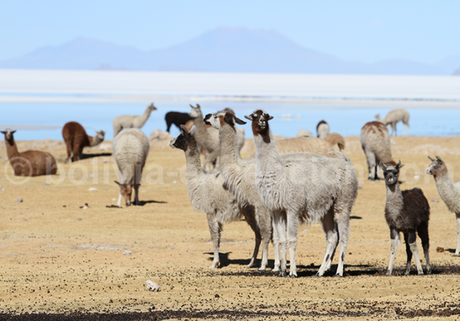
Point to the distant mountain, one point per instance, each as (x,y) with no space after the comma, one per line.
(449,64)
(218,50)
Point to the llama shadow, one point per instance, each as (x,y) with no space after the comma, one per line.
(356,218)
(142,203)
(87,156)
(451,251)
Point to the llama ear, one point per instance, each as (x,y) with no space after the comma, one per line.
(13,132)
(239,121)
(117,183)
(382,165)
(249,117)
(184,129)
(270,117)
(2,132)
(192,130)
(398,166)
(440,161)
(431,159)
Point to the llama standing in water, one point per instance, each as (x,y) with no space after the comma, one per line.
(450,193)
(408,212)
(393,117)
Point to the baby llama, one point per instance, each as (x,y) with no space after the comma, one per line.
(407,212)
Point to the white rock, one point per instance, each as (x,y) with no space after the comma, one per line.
(127,252)
(152,286)
(18,200)
(114,199)
(92,189)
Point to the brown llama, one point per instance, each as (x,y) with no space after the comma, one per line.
(408,212)
(75,139)
(28,163)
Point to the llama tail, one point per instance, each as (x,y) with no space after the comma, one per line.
(336,139)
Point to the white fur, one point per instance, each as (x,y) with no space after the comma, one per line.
(307,190)
(393,117)
(130,121)
(130,149)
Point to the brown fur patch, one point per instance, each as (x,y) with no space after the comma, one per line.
(374,127)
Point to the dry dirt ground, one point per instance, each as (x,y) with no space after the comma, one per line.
(60,261)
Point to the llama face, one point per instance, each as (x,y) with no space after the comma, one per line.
(8,133)
(152,107)
(259,120)
(213,119)
(195,112)
(125,191)
(183,140)
(437,165)
(391,174)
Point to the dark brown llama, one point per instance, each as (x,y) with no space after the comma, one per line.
(176,118)
(75,139)
(28,163)
(407,212)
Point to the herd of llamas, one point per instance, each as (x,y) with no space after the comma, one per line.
(283,184)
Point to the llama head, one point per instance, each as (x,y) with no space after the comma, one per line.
(184,139)
(219,119)
(151,107)
(8,133)
(259,119)
(126,191)
(391,173)
(196,111)
(436,167)
(100,135)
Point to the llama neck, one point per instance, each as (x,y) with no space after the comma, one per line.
(95,140)
(395,200)
(228,147)
(267,155)
(11,148)
(201,130)
(192,157)
(447,191)
(143,118)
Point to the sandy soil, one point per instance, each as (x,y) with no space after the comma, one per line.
(69,262)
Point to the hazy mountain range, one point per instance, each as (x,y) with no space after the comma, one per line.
(219,50)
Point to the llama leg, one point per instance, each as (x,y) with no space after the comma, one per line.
(330,231)
(292,222)
(249,216)
(394,247)
(408,253)
(68,146)
(343,225)
(265,227)
(457,250)
(214,229)
(119,199)
(422,231)
(276,246)
(76,154)
(136,194)
(393,125)
(414,250)
(280,225)
(371,164)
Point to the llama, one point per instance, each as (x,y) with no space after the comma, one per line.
(393,117)
(206,191)
(208,138)
(322,129)
(76,139)
(450,193)
(130,149)
(239,179)
(292,186)
(304,133)
(28,163)
(307,190)
(176,118)
(130,121)
(407,212)
(375,142)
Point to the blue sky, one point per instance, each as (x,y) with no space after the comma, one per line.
(362,31)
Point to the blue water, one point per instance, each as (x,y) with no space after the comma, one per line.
(98,116)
